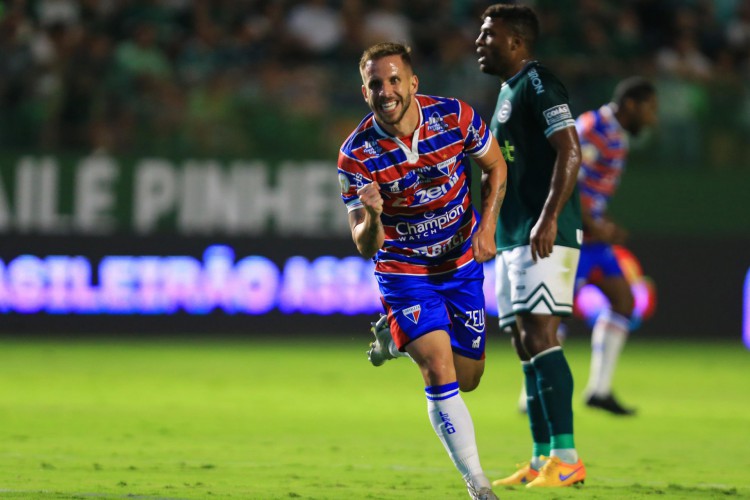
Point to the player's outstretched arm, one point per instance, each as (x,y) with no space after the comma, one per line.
(494,178)
(564,178)
(367,229)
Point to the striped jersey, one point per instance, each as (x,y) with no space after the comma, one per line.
(604,147)
(424,179)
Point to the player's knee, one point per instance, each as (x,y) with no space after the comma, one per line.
(469,382)
(436,369)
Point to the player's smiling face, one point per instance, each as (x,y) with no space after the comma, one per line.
(388,86)
(496,48)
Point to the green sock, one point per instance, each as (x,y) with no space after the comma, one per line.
(537,418)
(556,393)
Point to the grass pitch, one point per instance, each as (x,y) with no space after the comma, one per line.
(312,419)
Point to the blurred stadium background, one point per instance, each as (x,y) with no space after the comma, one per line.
(167,165)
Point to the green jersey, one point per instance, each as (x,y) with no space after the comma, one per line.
(532,105)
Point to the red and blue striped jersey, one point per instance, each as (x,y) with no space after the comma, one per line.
(604,147)
(424,180)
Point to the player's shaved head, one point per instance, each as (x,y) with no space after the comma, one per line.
(385,49)
(520,19)
(636,87)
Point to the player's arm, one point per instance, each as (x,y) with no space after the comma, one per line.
(564,177)
(367,229)
(494,180)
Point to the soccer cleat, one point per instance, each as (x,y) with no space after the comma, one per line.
(524,475)
(379,352)
(556,473)
(609,403)
(481,494)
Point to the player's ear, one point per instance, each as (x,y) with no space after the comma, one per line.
(364,92)
(414,84)
(516,42)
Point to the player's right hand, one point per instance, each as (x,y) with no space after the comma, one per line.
(369,195)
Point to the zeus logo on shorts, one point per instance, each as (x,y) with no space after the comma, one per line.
(413,313)
(475,320)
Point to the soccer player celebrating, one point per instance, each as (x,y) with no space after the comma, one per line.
(405,176)
(603,134)
(538,235)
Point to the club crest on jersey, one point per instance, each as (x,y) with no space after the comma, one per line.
(413,313)
(371,147)
(445,166)
(503,113)
(435,123)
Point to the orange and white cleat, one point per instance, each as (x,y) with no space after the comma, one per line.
(524,475)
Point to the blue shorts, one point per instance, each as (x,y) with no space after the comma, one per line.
(417,305)
(597,257)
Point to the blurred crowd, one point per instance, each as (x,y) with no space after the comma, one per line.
(279,79)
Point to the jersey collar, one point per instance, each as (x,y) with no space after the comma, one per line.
(412,154)
(526,66)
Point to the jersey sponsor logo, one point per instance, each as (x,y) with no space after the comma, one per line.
(441,248)
(431,226)
(536,82)
(423,196)
(507,150)
(435,123)
(475,135)
(344,183)
(412,313)
(503,114)
(359,180)
(557,114)
(372,148)
(475,321)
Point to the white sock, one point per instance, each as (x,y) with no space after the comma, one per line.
(452,423)
(567,455)
(537,462)
(607,340)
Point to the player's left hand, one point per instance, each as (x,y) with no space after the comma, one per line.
(483,245)
(542,237)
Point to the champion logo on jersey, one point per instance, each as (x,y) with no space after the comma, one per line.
(413,313)
(372,147)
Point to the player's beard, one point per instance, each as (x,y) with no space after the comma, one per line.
(405,103)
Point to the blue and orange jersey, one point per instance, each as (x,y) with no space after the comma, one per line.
(604,147)
(424,180)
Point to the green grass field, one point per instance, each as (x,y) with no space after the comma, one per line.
(312,419)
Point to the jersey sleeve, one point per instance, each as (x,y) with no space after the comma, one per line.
(353,174)
(549,101)
(475,131)
(591,141)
